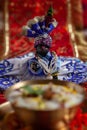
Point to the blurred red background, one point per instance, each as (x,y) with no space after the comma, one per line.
(21,12)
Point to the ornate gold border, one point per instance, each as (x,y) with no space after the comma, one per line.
(6,34)
(4,29)
(71,28)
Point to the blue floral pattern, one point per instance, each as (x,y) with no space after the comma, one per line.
(76,70)
(69,69)
(5,67)
(7,81)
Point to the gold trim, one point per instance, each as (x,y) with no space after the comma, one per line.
(6,35)
(70,28)
(75,18)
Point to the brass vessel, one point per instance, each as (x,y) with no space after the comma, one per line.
(58,119)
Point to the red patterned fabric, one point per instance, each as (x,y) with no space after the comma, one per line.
(79,121)
(84,3)
(2,99)
(21,12)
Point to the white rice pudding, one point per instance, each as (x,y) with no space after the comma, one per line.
(45,97)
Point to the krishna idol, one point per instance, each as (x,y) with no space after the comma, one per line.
(43,64)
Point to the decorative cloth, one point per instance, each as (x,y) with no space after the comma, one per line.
(28,67)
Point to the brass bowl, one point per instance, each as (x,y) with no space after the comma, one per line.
(51,119)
